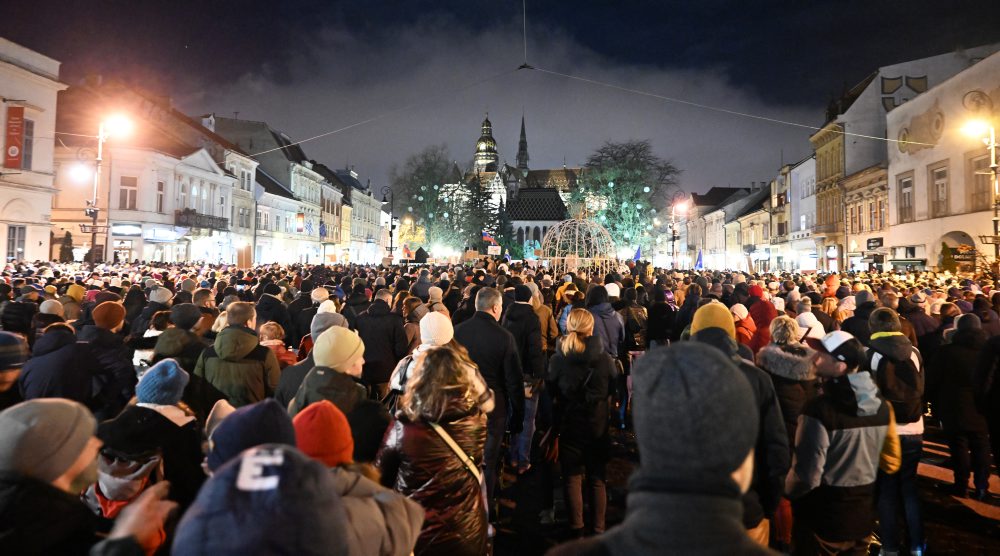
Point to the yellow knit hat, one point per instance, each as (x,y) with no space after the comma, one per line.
(337,348)
(713,315)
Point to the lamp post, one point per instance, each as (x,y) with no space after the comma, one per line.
(387,191)
(987,132)
(679,205)
(114,125)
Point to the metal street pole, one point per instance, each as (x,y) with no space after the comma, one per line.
(93,202)
(992,146)
(386,190)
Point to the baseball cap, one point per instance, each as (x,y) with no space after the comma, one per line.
(841,345)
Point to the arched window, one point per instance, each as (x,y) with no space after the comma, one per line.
(537,235)
(520,236)
(184,196)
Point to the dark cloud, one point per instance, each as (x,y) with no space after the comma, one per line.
(346,77)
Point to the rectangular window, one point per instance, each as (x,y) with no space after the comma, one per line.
(15,242)
(939,191)
(28,147)
(906,199)
(982,193)
(127,191)
(258,219)
(160,192)
(277,223)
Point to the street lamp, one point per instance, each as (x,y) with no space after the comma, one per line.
(679,206)
(118,126)
(389,197)
(987,133)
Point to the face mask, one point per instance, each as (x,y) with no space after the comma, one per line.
(86,478)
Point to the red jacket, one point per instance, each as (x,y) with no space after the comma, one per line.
(762,312)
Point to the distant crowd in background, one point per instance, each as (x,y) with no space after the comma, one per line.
(208,409)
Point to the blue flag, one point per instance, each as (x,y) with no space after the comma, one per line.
(699,265)
(638,254)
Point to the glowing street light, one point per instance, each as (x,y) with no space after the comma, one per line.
(985,131)
(117,126)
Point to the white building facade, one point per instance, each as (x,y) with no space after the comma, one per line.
(29,84)
(802,255)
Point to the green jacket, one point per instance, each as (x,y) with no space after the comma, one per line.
(239,367)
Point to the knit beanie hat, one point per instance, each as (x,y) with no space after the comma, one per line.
(42,438)
(713,315)
(51,307)
(337,348)
(103,296)
(220,411)
(264,422)
(272,289)
(614,290)
(319,295)
(162,384)
(712,415)
(160,295)
(322,321)
(436,329)
(322,433)
(270,499)
(756,291)
(188,285)
(434,294)
(108,315)
(739,311)
(862,297)
(327,306)
(13,351)
(968,322)
(76,292)
(185,315)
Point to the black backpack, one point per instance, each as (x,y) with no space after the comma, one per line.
(901,383)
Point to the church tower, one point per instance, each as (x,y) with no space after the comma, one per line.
(486,149)
(522,151)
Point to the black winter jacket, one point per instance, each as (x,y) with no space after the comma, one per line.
(522,322)
(60,367)
(857,325)
(581,384)
(492,348)
(115,380)
(385,342)
(795,384)
(418,463)
(950,387)
(772,456)
(141,323)
(291,378)
(270,308)
(660,323)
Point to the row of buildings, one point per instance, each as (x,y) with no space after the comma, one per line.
(173,188)
(891,179)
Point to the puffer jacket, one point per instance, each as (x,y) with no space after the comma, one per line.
(368,418)
(794,381)
(385,341)
(59,367)
(521,321)
(417,462)
(762,312)
(115,382)
(382,522)
(550,330)
(239,367)
(271,309)
(950,386)
(608,327)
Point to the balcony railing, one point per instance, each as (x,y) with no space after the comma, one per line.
(189,218)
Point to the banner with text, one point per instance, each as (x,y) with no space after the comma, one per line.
(13,146)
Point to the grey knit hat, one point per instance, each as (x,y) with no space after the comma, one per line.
(322,321)
(695,418)
(42,438)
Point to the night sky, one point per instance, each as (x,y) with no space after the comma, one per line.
(309,67)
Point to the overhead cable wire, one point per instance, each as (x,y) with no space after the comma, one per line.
(714,108)
(390,112)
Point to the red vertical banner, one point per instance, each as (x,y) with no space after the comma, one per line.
(14,144)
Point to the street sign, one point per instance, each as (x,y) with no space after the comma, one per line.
(874,243)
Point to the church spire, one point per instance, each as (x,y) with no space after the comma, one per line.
(522,149)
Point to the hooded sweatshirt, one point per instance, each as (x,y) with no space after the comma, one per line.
(238,366)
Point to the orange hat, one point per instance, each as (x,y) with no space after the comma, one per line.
(108,315)
(322,433)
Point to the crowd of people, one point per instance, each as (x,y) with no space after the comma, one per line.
(209,409)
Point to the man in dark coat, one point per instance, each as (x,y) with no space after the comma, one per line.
(115,381)
(714,326)
(522,322)
(494,351)
(302,320)
(355,304)
(857,325)
(292,376)
(159,300)
(270,308)
(302,300)
(59,368)
(384,338)
(422,285)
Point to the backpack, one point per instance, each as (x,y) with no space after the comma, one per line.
(901,383)
(635,328)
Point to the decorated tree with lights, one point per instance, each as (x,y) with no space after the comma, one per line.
(624,186)
(428,198)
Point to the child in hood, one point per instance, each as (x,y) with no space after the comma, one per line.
(272,336)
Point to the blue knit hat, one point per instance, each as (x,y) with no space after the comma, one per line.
(162,384)
(270,499)
(264,422)
(13,351)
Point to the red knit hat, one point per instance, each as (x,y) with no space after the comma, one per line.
(756,291)
(322,433)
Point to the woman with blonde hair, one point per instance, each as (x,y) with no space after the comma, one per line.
(581,375)
(433,453)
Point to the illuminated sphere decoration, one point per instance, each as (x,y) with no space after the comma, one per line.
(578,244)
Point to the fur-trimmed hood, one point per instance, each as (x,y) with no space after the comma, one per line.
(791,362)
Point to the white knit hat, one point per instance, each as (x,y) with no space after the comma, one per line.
(319,295)
(327,306)
(436,329)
